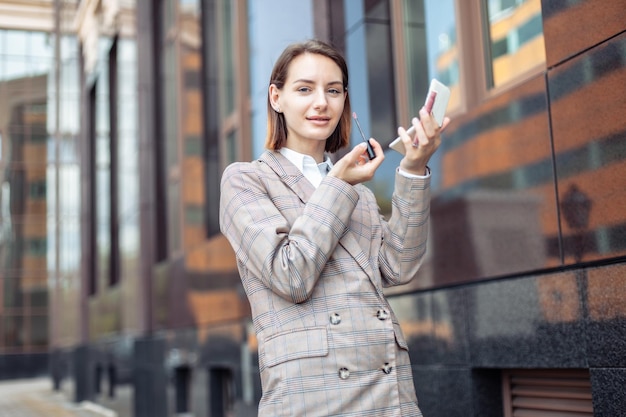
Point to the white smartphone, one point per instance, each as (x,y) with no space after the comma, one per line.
(436,103)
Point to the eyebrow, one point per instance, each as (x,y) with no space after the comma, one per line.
(303,80)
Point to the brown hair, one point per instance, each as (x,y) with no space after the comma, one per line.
(276,125)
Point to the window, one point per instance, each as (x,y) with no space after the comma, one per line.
(37,247)
(502,6)
(431,49)
(167,147)
(38,335)
(105,164)
(37,189)
(382,112)
(114,261)
(190,109)
(211,150)
(12,331)
(423,40)
(221,397)
(231,146)
(91,166)
(515,43)
(34,118)
(225,93)
(182,384)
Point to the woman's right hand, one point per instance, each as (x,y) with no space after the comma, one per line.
(422,146)
(355,167)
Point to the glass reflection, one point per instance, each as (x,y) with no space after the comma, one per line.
(496,209)
(12,337)
(23,116)
(128,156)
(431,49)
(37,132)
(516,42)
(591,157)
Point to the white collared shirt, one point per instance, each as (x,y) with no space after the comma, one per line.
(315,172)
(311,170)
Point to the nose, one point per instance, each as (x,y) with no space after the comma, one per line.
(320,99)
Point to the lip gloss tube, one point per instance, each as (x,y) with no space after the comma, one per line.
(370,150)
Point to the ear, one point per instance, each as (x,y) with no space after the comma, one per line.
(274,96)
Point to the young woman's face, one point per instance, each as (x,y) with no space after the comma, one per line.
(311,100)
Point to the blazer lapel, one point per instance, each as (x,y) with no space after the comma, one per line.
(293,178)
(289,174)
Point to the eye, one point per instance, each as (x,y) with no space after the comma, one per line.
(334,91)
(304,89)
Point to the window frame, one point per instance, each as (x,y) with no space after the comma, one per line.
(486,69)
(474,58)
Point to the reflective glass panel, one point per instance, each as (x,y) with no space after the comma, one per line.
(431,49)
(38,330)
(12,329)
(227,60)
(515,39)
(38,127)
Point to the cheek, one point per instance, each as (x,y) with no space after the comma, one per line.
(295,103)
(340,105)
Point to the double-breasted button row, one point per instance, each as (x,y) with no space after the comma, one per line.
(387,368)
(382,314)
(344,373)
(335,319)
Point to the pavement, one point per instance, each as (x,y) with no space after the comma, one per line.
(36,398)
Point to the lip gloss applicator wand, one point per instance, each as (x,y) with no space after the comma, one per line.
(370,150)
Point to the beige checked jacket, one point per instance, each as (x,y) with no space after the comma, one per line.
(313,263)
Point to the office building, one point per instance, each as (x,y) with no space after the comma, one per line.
(117,119)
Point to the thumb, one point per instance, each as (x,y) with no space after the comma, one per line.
(358,150)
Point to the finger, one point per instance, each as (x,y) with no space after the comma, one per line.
(407,136)
(446,122)
(425,141)
(428,122)
(420,138)
(357,155)
(358,151)
(402,132)
(404,137)
(363,159)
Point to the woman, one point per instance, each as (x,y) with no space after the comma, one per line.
(314,254)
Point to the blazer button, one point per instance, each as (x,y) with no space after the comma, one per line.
(387,368)
(335,319)
(344,373)
(382,315)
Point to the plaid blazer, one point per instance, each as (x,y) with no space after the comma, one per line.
(313,263)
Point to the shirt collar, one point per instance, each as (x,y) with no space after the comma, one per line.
(301,160)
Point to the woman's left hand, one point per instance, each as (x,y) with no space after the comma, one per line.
(355,167)
(423,144)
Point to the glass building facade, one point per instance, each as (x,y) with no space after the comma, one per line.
(117,121)
(40,205)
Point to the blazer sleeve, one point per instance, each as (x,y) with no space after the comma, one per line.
(287,258)
(405,234)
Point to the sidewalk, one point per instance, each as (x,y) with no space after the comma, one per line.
(35,398)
